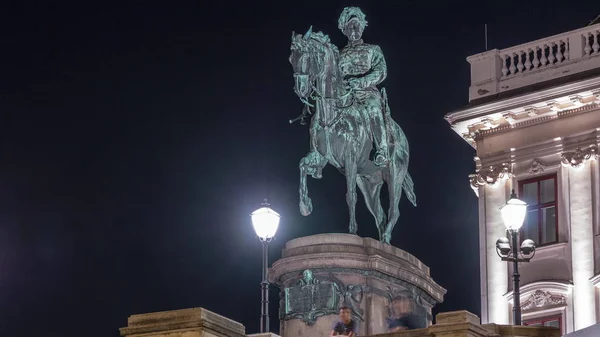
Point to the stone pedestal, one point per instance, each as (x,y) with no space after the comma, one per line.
(378,282)
(194,322)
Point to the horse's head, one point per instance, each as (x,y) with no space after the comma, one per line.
(303,61)
(313,58)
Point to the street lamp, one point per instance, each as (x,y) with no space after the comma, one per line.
(513,215)
(265,222)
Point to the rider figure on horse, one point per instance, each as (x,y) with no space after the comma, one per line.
(363,67)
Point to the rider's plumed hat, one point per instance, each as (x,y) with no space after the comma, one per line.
(350,13)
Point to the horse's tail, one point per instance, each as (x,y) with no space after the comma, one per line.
(409,189)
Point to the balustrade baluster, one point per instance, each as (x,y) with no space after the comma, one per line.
(566,52)
(559,55)
(587,49)
(544,60)
(551,57)
(520,58)
(512,67)
(528,59)
(536,61)
(504,68)
(595,39)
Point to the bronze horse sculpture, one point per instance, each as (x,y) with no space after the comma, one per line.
(340,135)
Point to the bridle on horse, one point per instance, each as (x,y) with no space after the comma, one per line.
(319,95)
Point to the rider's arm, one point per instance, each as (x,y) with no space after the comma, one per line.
(333,333)
(378,71)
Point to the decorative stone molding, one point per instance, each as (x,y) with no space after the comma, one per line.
(477,161)
(310,298)
(509,117)
(489,123)
(576,158)
(470,137)
(554,106)
(563,288)
(576,110)
(541,299)
(531,111)
(489,176)
(536,167)
(576,100)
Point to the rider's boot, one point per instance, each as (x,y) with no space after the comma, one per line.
(381,141)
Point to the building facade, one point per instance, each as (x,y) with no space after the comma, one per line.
(534,119)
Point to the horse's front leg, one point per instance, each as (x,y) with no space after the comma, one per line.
(312,165)
(351,173)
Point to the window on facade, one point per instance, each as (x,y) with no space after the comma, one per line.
(541,223)
(554,321)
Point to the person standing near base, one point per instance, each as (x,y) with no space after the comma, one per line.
(346,326)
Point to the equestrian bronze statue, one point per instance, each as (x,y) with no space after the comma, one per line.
(350,120)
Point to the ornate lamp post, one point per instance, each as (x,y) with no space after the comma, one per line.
(513,215)
(265,222)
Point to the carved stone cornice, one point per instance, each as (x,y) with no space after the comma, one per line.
(576,110)
(531,111)
(541,299)
(576,158)
(489,176)
(470,137)
(537,166)
(509,117)
(576,100)
(553,106)
(489,123)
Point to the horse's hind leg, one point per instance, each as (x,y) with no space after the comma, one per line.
(371,188)
(395,178)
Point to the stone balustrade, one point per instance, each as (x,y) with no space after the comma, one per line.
(567,54)
(198,322)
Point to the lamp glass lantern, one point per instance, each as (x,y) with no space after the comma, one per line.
(265,222)
(513,212)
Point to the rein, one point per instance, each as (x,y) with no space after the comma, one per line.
(341,109)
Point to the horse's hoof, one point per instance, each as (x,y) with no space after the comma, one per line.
(306,207)
(353,230)
(386,239)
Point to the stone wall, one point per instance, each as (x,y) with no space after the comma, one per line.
(193,322)
(198,322)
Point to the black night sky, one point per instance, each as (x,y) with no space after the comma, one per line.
(137,137)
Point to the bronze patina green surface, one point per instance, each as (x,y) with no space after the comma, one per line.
(350,118)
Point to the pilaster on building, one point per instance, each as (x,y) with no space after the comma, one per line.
(534,120)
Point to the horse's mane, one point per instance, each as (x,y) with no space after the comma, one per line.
(324,42)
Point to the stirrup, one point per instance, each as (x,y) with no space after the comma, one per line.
(381,160)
